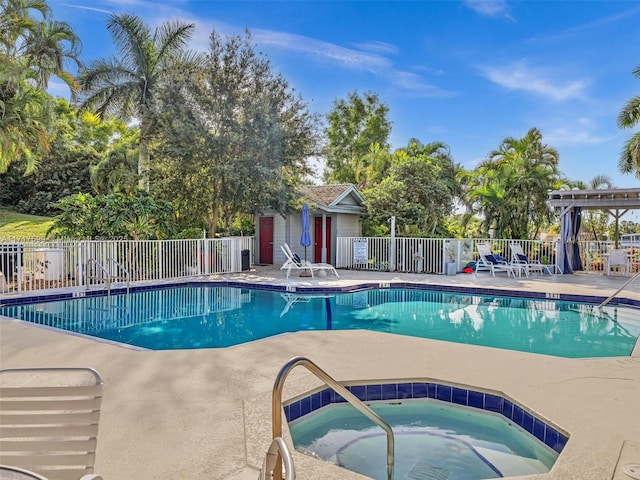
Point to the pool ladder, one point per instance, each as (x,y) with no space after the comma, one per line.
(624,285)
(106,277)
(276,412)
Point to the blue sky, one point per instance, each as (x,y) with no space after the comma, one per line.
(466,73)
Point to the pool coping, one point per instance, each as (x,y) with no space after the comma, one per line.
(19,299)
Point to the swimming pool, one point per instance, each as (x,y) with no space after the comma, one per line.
(432,440)
(211,316)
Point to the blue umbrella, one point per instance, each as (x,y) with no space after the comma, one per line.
(305,239)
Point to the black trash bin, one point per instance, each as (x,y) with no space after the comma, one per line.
(246,259)
(10,256)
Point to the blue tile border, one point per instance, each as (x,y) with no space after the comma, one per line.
(491,402)
(41,298)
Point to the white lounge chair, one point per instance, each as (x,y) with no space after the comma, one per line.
(49,419)
(293,262)
(618,259)
(490,262)
(518,257)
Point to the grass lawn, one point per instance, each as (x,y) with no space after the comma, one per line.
(20,225)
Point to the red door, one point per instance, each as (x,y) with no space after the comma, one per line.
(266,239)
(317,254)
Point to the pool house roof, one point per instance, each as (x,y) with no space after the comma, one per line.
(611,199)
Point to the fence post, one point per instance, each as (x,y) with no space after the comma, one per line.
(392,247)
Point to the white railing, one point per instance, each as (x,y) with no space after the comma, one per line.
(429,255)
(41,265)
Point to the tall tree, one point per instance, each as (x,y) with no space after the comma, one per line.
(354,125)
(126,86)
(33,47)
(419,190)
(510,189)
(236,137)
(629,117)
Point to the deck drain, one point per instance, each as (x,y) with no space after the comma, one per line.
(632,470)
(423,470)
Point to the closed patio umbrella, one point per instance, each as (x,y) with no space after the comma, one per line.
(305,239)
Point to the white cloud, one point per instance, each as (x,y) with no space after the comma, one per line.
(490,8)
(380,47)
(520,76)
(573,135)
(346,57)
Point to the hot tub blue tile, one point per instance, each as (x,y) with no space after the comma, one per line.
(305,406)
(493,403)
(390,391)
(337,398)
(527,422)
(287,412)
(419,390)
(518,415)
(460,396)
(374,392)
(562,441)
(294,410)
(551,437)
(316,401)
(443,392)
(432,390)
(507,409)
(405,390)
(476,399)
(326,396)
(360,391)
(538,429)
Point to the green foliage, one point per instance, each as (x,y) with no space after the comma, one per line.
(629,117)
(625,226)
(419,191)
(78,144)
(509,190)
(135,217)
(32,49)
(127,86)
(232,137)
(357,134)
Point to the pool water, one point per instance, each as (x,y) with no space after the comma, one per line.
(433,440)
(211,317)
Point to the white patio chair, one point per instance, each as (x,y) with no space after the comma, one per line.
(618,259)
(49,421)
(489,262)
(293,262)
(518,257)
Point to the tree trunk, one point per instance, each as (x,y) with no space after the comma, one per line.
(143,165)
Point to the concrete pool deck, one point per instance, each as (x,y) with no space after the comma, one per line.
(207,413)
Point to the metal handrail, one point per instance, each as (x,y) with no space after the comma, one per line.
(127,276)
(276,408)
(612,296)
(107,278)
(277,449)
(105,273)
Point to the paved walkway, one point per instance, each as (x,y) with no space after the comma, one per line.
(206,413)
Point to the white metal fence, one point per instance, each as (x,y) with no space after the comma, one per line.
(39,265)
(428,255)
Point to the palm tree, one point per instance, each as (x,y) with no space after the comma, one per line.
(509,189)
(31,51)
(126,86)
(629,117)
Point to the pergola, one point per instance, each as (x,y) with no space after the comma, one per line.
(569,205)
